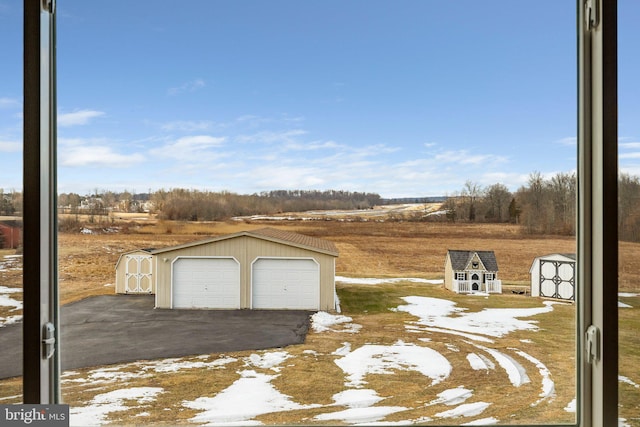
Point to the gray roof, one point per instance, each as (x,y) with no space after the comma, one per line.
(460,259)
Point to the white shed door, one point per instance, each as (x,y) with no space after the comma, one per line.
(206,283)
(286,284)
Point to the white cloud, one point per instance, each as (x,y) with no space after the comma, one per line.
(629,145)
(191,144)
(570,140)
(190,86)
(94,152)
(80,117)
(9,103)
(464,157)
(10,146)
(635,155)
(270,137)
(187,125)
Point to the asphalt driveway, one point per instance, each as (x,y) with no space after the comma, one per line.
(124,328)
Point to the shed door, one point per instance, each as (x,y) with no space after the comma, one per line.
(206,283)
(138,276)
(286,284)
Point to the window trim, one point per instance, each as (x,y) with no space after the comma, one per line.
(597,208)
(597,232)
(41,374)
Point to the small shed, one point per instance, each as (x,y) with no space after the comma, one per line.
(468,271)
(554,276)
(10,234)
(259,269)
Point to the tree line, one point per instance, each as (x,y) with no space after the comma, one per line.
(197,205)
(541,206)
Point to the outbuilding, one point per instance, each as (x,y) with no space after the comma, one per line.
(10,234)
(260,269)
(469,271)
(554,276)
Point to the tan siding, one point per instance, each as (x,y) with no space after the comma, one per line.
(246,250)
(448,273)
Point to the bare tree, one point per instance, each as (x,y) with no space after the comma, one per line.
(497,197)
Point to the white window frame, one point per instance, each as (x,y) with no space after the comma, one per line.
(597,227)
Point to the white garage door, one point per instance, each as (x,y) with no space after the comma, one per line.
(206,283)
(286,284)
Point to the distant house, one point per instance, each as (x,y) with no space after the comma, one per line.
(10,234)
(554,276)
(471,271)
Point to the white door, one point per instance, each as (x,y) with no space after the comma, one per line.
(286,284)
(206,283)
(138,278)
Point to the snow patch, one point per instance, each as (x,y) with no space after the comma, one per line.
(103,404)
(624,305)
(175,365)
(627,380)
(344,350)
(7,301)
(250,396)
(483,422)
(380,359)
(361,398)
(323,321)
(361,415)
(494,322)
(454,396)
(480,362)
(571,406)
(516,372)
(465,410)
(548,386)
(269,360)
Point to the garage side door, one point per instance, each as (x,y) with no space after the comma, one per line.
(292,284)
(206,283)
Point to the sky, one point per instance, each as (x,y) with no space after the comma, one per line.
(403,99)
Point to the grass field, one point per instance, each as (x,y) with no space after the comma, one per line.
(310,375)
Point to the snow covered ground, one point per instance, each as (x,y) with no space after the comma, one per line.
(474,337)
(358,403)
(10,263)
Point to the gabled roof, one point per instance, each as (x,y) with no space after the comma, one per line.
(566,255)
(271,234)
(460,259)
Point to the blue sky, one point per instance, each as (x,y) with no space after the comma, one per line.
(403,98)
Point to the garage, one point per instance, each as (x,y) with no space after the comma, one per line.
(205,282)
(263,268)
(292,284)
